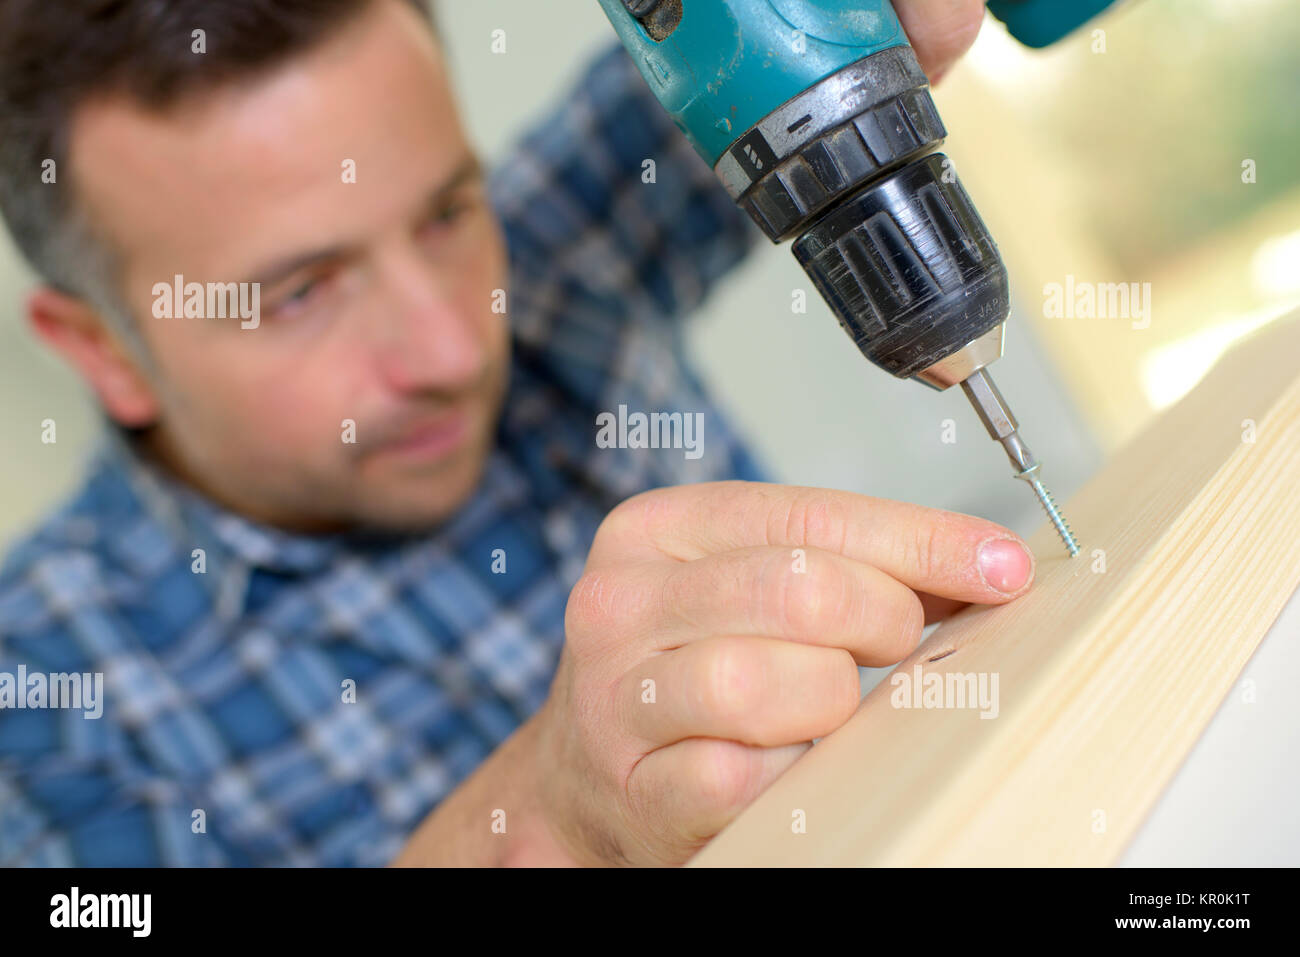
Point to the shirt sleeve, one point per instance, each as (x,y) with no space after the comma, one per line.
(610,217)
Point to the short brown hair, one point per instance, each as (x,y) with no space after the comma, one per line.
(57,54)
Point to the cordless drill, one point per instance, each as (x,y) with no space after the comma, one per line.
(818,120)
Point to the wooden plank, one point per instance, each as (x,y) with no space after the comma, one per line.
(1105,678)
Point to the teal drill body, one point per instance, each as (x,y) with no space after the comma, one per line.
(729,63)
(723,68)
(818,120)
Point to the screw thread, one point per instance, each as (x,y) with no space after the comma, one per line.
(1058,521)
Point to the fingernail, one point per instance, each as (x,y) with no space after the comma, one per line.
(1005,565)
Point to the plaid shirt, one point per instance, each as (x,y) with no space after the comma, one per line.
(226,683)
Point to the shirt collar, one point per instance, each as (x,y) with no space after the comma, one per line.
(193,517)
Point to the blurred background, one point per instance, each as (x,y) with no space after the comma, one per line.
(1117,156)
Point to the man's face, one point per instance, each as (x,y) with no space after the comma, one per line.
(376,297)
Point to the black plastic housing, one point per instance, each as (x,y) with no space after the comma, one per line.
(908,267)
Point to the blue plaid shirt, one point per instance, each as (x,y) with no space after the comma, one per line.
(226,680)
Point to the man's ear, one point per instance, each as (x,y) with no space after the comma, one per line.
(77,332)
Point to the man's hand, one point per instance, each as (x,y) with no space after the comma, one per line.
(716,631)
(940,30)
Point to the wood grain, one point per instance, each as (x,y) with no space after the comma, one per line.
(1105,678)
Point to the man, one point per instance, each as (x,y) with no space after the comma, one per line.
(351,562)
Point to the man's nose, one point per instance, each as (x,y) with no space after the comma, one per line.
(424,339)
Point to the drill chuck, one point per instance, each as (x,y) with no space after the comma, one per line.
(881,224)
(911,272)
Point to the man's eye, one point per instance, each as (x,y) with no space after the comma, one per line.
(302,297)
(446,215)
(300,294)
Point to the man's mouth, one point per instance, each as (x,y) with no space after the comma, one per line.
(430,439)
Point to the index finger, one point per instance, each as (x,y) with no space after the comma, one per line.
(946,554)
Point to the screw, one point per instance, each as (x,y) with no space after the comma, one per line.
(1053,513)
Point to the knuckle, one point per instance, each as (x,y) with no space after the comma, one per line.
(593,603)
(812,518)
(804,605)
(801,603)
(625,518)
(724,774)
(731,680)
(898,624)
(845,688)
(925,548)
(909,623)
(685,585)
